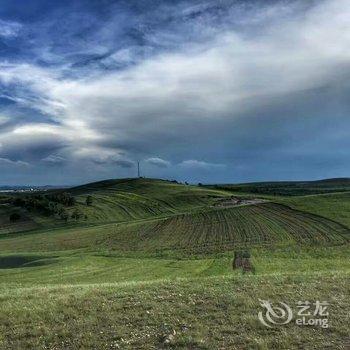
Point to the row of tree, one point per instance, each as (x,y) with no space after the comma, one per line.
(55,204)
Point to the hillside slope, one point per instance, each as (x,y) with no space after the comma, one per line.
(204,232)
(335,206)
(157,216)
(130,199)
(153,262)
(288,188)
(112,201)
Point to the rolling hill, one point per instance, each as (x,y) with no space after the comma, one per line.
(112,201)
(162,217)
(289,188)
(130,199)
(150,267)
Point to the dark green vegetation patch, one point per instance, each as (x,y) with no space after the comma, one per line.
(289,188)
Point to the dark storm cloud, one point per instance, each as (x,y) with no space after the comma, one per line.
(124,164)
(199,90)
(127,164)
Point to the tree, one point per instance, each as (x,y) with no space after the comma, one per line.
(15,217)
(76,214)
(64,215)
(59,209)
(18,202)
(89,200)
(64,198)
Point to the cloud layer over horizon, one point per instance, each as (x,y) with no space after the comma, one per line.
(205,91)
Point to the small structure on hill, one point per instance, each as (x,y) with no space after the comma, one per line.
(241,260)
(233,201)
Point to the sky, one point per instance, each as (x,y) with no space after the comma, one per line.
(221,91)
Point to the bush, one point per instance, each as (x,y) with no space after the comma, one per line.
(77,214)
(88,200)
(49,204)
(18,202)
(15,217)
(64,215)
(64,198)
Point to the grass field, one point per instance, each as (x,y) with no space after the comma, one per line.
(151,268)
(210,231)
(130,199)
(203,313)
(334,206)
(115,201)
(288,188)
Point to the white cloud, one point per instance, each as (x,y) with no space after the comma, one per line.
(9,29)
(6,161)
(161,163)
(3,119)
(225,77)
(102,156)
(193,163)
(54,159)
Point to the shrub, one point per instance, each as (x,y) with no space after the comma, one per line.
(64,198)
(88,200)
(77,214)
(15,217)
(64,215)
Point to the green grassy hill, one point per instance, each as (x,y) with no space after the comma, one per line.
(25,223)
(128,199)
(288,188)
(335,206)
(112,201)
(151,268)
(202,232)
(134,199)
(163,218)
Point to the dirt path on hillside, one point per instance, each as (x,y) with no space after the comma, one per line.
(237,202)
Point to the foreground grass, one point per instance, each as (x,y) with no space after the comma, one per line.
(203,313)
(74,300)
(127,286)
(59,268)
